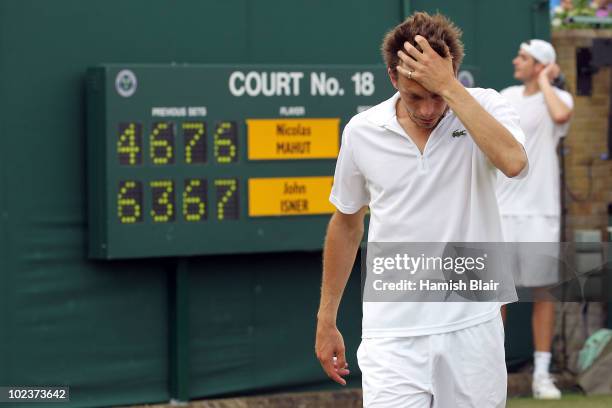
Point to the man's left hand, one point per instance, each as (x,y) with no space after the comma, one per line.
(428,68)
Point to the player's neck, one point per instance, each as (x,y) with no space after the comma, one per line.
(531,87)
(405,119)
(418,134)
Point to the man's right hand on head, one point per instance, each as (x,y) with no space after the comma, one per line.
(330,351)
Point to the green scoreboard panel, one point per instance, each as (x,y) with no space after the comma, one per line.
(212,159)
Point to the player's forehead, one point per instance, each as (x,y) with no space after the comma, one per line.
(524,53)
(406,85)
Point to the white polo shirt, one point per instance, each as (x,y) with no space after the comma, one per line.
(538,194)
(446,194)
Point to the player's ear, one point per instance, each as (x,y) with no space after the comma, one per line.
(392,76)
(538,67)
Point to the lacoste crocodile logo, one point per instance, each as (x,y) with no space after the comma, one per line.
(458,133)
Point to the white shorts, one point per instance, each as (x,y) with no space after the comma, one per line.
(534,259)
(463,368)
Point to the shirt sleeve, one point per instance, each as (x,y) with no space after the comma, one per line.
(562,129)
(507,116)
(349,191)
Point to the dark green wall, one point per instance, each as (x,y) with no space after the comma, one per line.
(101,327)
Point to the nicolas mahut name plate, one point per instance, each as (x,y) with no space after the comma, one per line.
(291,139)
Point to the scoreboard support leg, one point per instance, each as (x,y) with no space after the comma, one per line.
(178,331)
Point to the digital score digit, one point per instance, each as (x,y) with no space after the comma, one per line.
(226,143)
(129,144)
(195,206)
(227,193)
(129,202)
(162,194)
(162,143)
(194,140)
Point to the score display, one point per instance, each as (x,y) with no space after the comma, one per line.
(197,159)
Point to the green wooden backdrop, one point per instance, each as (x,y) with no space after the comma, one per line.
(103,327)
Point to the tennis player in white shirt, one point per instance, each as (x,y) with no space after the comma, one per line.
(424,162)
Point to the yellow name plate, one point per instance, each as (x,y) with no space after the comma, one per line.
(290,139)
(290,196)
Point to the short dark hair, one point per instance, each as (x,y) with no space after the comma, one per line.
(437,29)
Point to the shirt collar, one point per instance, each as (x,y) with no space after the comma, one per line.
(384,113)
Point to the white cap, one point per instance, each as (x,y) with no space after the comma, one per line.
(541,50)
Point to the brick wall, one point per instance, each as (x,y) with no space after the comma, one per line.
(589,196)
(588,178)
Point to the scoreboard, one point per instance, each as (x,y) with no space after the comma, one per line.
(212,159)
